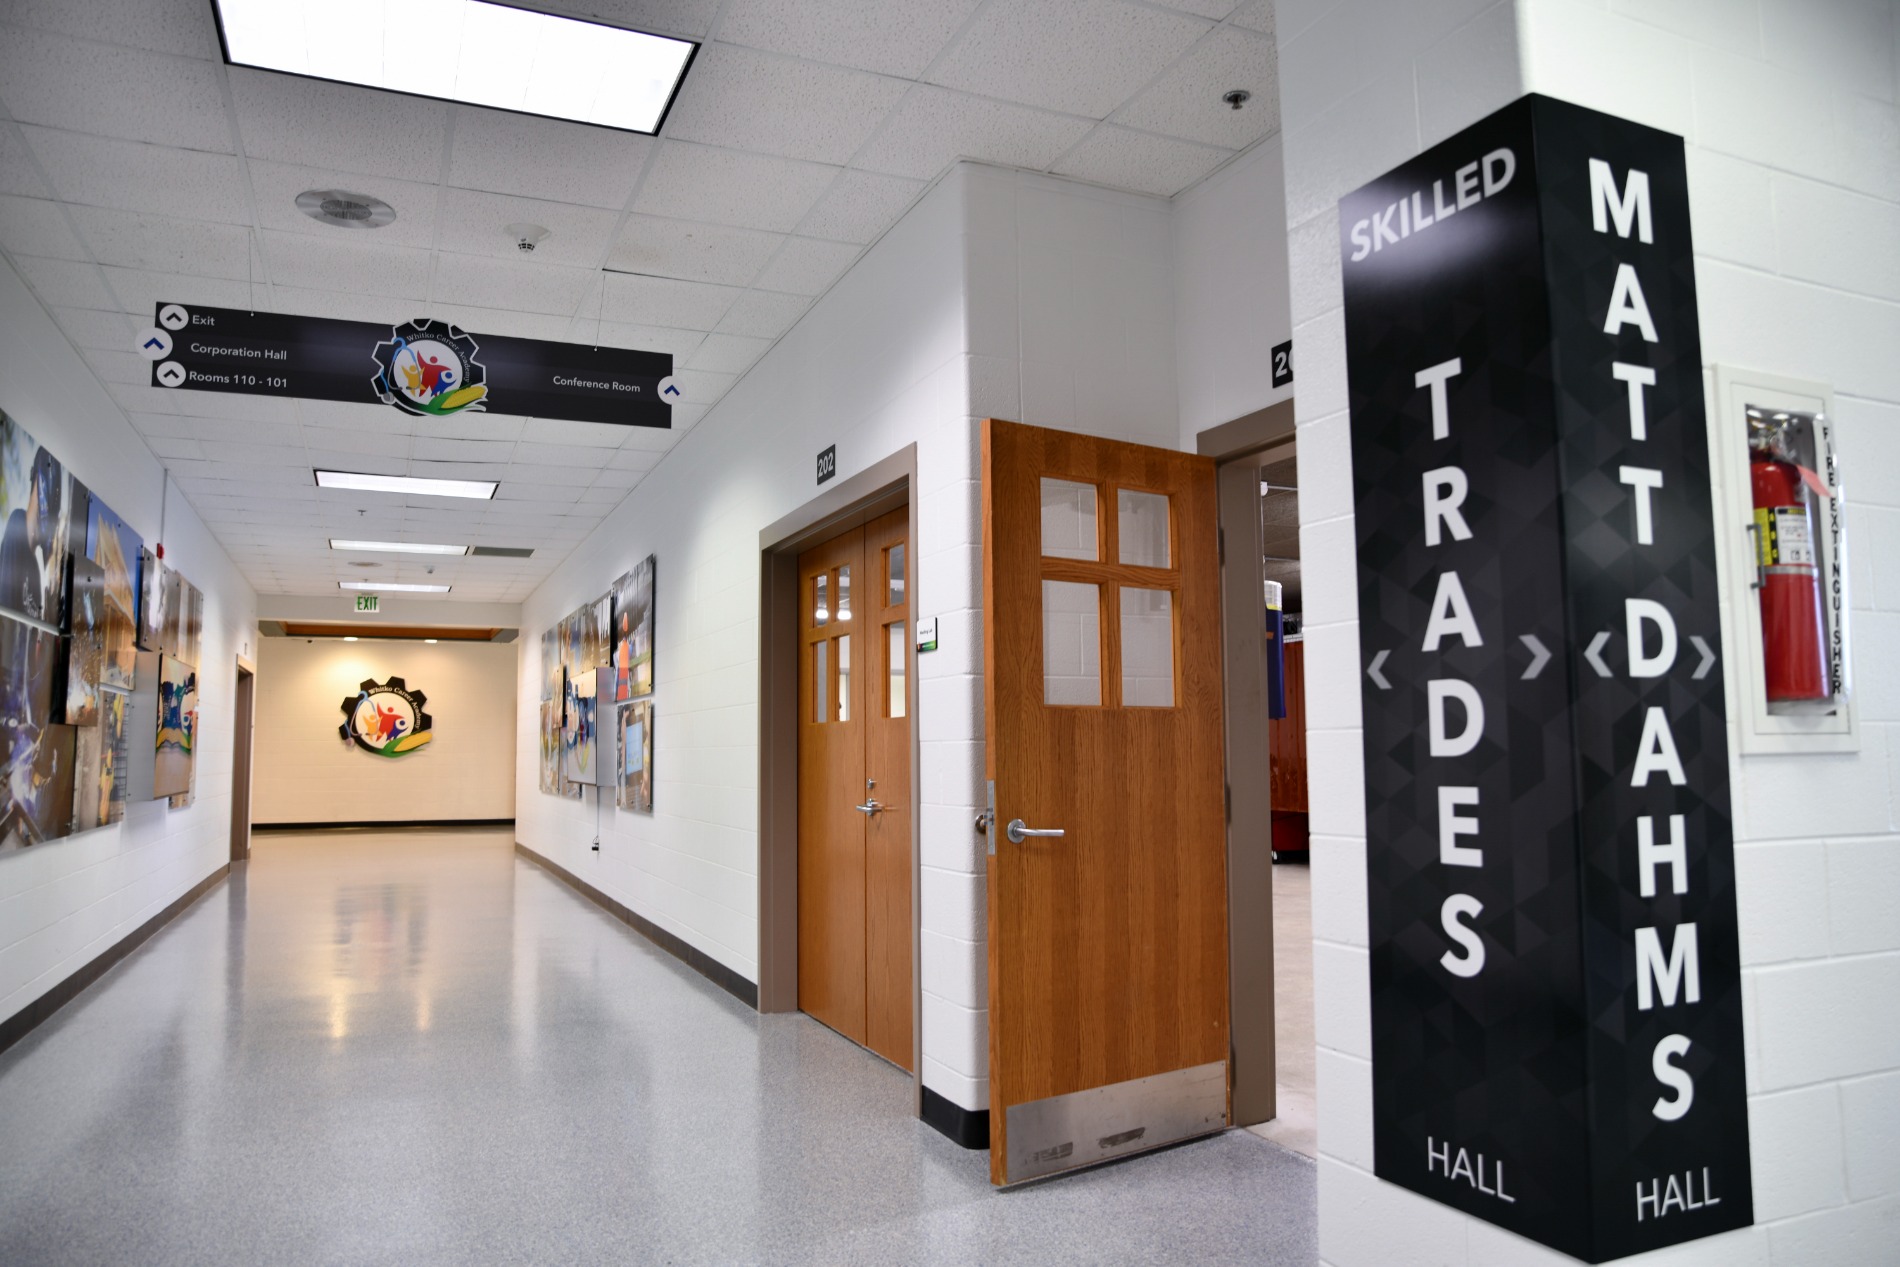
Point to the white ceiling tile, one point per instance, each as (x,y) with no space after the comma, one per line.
(763,314)
(248,453)
(747,100)
(547,454)
(118,367)
(467,426)
(1078,58)
(808,266)
(16,166)
(125,92)
(278,184)
(1139,161)
(340,305)
(860,207)
(541,494)
(221,405)
(753,191)
(728,353)
(1255,15)
(99,171)
(615,477)
(935,127)
(702,386)
(1186,100)
(346,261)
(476,223)
(90,328)
(588,330)
(597,495)
(36,226)
(523,285)
(1212,9)
(162,245)
(66,283)
(141,291)
(566,431)
(339,440)
(433,449)
(167,26)
(506,322)
(892,39)
(688,19)
(544,158)
(343,127)
(689,251)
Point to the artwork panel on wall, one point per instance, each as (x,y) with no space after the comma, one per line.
(88,761)
(191,622)
(176,741)
(151,614)
(580,746)
(34,490)
(172,609)
(387,718)
(636,749)
(112,757)
(550,667)
(111,543)
(86,648)
(596,619)
(633,632)
(27,659)
(550,763)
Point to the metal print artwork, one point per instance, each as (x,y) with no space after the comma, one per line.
(636,757)
(580,747)
(191,622)
(177,738)
(86,648)
(151,602)
(597,620)
(33,526)
(171,631)
(550,765)
(386,718)
(27,655)
(111,543)
(633,632)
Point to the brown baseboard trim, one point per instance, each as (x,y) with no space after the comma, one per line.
(28,1018)
(747,992)
(385,823)
(968,1127)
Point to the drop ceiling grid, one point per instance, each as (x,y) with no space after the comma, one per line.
(801,135)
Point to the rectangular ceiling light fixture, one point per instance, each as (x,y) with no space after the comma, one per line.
(357,480)
(466,50)
(393,547)
(392,587)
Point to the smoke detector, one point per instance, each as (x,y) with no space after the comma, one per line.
(527,236)
(344,210)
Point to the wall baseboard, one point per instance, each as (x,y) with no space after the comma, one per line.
(385,822)
(967,1127)
(28,1018)
(747,992)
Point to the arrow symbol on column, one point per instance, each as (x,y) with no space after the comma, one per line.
(1372,670)
(1540,655)
(1594,653)
(1708,658)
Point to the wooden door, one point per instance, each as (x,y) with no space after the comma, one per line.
(854,828)
(1102,693)
(1287,742)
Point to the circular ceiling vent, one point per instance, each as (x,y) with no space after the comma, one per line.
(345,210)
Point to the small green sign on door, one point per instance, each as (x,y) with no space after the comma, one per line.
(368,602)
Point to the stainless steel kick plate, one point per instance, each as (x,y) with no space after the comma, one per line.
(1082,1128)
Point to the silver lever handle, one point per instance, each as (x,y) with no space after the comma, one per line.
(869,807)
(1018,833)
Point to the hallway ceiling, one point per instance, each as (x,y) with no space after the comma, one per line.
(135,166)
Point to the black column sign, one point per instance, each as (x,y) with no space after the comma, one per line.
(425,367)
(1556,988)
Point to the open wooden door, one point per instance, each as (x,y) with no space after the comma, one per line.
(1108,949)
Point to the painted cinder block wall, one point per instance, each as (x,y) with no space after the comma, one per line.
(1790,113)
(65,902)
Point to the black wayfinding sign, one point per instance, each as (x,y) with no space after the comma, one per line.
(422,366)
(1556,991)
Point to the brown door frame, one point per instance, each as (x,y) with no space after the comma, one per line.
(1240,447)
(879,489)
(243,728)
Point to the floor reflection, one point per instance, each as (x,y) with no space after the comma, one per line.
(425,1050)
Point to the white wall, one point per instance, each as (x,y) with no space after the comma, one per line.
(64,902)
(307,773)
(1794,162)
(1000,294)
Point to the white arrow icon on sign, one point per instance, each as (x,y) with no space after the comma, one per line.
(171,374)
(173,317)
(1372,670)
(154,344)
(1594,653)
(1540,655)
(1708,658)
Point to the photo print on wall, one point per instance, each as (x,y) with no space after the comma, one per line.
(580,739)
(33,525)
(633,632)
(550,765)
(151,616)
(176,741)
(86,648)
(111,543)
(99,766)
(636,749)
(27,655)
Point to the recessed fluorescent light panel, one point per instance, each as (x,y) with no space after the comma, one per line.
(406,484)
(394,547)
(386,587)
(466,50)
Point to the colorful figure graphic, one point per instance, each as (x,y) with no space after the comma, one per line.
(386,718)
(429,367)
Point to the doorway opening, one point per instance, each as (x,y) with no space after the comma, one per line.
(241,762)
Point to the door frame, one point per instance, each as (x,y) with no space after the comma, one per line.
(243,732)
(877,490)
(1238,449)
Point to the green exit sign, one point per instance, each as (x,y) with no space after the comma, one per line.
(368,602)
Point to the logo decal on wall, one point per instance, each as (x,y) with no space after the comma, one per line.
(386,718)
(429,368)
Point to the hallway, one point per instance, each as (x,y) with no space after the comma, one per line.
(424,1050)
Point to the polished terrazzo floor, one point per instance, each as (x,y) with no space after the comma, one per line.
(415,1048)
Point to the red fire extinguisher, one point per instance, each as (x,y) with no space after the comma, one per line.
(1793,645)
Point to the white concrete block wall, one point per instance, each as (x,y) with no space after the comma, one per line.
(305,772)
(65,902)
(1794,161)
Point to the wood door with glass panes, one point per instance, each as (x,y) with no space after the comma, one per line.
(854,819)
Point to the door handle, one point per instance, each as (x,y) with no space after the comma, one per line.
(868,808)
(1018,833)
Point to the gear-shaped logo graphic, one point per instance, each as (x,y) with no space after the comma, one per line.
(386,718)
(430,368)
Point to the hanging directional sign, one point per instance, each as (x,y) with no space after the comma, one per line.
(430,368)
(1556,986)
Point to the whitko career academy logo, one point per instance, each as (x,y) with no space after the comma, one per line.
(386,718)
(429,367)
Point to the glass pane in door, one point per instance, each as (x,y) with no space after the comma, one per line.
(896,636)
(1147,648)
(1142,525)
(1068,520)
(1071,643)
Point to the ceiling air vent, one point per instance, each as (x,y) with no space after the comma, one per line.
(500,552)
(345,210)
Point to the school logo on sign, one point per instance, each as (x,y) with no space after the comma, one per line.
(386,718)
(429,367)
